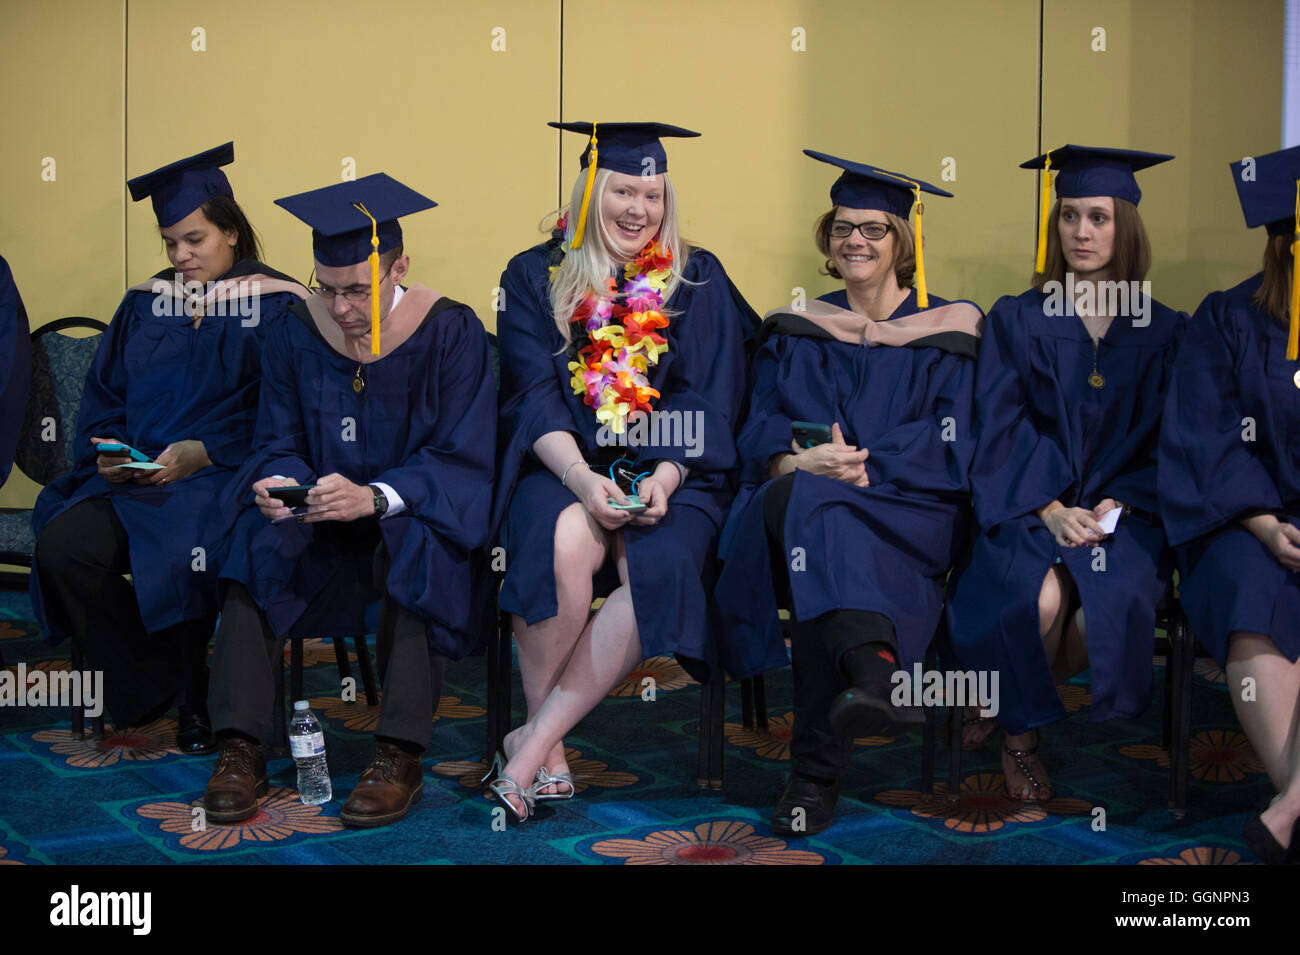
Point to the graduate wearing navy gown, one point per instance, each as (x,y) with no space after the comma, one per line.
(1230,491)
(1068,399)
(390,418)
(560,441)
(854,536)
(15,367)
(175,377)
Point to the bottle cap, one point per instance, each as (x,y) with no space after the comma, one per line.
(301,705)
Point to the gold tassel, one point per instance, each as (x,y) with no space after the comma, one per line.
(1293,334)
(374,277)
(922,299)
(580,230)
(1044,213)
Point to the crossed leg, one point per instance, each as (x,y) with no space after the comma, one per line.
(568,662)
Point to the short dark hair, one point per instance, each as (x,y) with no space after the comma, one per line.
(904,246)
(224,213)
(387,259)
(1131,255)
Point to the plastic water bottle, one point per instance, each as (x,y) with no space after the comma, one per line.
(307,743)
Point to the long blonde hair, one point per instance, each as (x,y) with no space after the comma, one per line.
(588,268)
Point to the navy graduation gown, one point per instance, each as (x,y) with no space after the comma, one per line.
(425,424)
(883,548)
(1230,447)
(155,380)
(703,375)
(1043,433)
(15,367)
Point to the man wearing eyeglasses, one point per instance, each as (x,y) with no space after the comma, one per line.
(370,479)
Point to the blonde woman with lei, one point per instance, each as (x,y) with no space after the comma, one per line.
(623,382)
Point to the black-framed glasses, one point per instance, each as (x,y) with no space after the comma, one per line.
(354,294)
(842,229)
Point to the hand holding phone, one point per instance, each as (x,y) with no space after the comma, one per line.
(809,435)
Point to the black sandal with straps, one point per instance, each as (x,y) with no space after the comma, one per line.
(1021,757)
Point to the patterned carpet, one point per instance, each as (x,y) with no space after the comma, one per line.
(131,799)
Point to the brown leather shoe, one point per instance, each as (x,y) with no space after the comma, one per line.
(236,783)
(391,784)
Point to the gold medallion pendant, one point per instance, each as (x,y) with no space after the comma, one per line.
(1097,381)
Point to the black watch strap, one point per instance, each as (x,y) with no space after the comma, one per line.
(381,501)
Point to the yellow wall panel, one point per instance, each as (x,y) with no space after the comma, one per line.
(1197,78)
(61,72)
(902,86)
(308,89)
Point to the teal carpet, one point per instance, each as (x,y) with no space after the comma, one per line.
(131,799)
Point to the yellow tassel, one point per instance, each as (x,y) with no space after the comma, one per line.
(1293,334)
(580,230)
(1044,213)
(922,299)
(374,278)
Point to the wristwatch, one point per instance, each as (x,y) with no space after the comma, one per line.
(381,501)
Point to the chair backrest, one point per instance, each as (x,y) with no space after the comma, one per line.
(59,365)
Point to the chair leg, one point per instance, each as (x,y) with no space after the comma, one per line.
(341,658)
(747,703)
(295,674)
(760,702)
(503,664)
(705,736)
(718,704)
(954,754)
(78,718)
(367,671)
(280,734)
(1181,720)
(929,733)
(708,770)
(492,659)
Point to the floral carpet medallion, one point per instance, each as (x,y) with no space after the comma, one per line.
(155,741)
(1216,756)
(280,816)
(981,807)
(721,842)
(666,673)
(360,718)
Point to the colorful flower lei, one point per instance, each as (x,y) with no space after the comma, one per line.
(622,339)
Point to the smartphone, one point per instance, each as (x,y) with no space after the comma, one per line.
(295,496)
(809,435)
(633,506)
(116,447)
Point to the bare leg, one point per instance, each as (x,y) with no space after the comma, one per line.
(608,648)
(1072,657)
(1271,721)
(545,647)
(1053,603)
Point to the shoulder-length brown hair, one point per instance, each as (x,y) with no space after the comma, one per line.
(1274,293)
(1130,261)
(904,247)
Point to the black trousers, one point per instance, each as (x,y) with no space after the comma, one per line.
(81,556)
(245,665)
(816,648)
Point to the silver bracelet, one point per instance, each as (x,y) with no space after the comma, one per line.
(564,478)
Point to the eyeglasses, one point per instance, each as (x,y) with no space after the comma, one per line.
(841,229)
(354,294)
